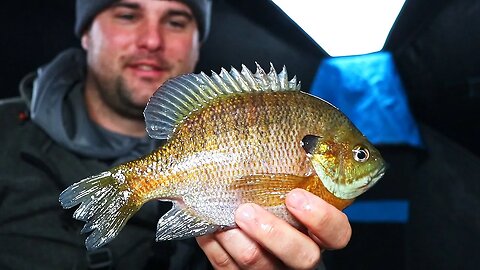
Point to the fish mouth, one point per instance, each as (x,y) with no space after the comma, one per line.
(379,174)
(373,178)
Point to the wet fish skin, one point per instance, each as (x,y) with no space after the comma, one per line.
(240,146)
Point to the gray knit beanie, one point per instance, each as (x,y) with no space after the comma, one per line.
(86,10)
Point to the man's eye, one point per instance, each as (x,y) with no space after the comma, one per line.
(180,24)
(125,16)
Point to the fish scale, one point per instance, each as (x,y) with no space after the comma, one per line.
(259,145)
(231,138)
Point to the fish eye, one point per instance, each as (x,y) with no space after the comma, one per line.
(360,153)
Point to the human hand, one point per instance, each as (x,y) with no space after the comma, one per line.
(264,241)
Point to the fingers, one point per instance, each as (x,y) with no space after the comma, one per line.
(247,253)
(280,239)
(215,253)
(264,241)
(328,226)
(233,249)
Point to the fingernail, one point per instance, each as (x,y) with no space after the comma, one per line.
(297,200)
(245,212)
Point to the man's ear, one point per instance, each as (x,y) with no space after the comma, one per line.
(85,40)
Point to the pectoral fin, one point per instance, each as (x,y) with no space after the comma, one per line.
(268,189)
(182,222)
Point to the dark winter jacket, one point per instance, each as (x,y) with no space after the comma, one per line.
(41,157)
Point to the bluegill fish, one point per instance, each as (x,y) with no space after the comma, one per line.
(231,138)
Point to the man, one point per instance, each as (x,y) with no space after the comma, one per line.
(82,113)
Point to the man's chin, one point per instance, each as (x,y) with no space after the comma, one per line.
(133,112)
(147,89)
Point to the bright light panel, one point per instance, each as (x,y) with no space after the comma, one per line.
(344,27)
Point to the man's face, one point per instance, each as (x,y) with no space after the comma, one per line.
(136,45)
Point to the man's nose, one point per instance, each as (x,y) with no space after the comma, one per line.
(151,37)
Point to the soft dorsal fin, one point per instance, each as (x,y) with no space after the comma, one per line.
(180,96)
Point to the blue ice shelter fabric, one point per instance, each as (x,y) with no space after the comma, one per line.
(368,89)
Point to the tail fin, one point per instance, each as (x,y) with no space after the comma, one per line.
(106,203)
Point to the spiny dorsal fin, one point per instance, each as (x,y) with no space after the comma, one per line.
(180,96)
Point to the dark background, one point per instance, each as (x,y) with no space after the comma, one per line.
(434,43)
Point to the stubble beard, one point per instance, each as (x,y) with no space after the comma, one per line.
(119,98)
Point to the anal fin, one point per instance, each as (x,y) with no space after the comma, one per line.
(182,222)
